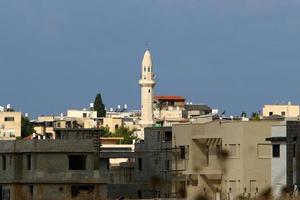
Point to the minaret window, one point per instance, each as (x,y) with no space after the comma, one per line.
(149,90)
(148,69)
(144,69)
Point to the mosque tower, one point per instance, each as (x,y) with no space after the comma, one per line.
(147,84)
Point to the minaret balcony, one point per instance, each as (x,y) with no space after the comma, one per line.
(147,82)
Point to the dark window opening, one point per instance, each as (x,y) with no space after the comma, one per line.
(84,115)
(9,119)
(82,190)
(107,164)
(149,91)
(3,163)
(182,152)
(116,126)
(1,189)
(158,136)
(139,194)
(270,113)
(282,113)
(77,162)
(28,162)
(31,190)
(168,136)
(140,164)
(276,150)
(167,165)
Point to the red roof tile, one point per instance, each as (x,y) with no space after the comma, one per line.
(173,98)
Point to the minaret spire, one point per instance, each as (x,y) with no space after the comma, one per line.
(147,84)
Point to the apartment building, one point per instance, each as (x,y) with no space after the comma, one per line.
(10,124)
(222,159)
(285,110)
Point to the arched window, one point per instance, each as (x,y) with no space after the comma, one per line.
(144,69)
(148,69)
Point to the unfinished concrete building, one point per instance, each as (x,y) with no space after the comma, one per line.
(65,168)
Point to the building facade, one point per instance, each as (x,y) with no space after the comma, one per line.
(222,159)
(284,110)
(52,169)
(10,124)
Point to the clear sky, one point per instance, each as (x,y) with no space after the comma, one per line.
(233,55)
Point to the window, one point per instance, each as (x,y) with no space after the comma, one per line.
(270,113)
(182,152)
(139,194)
(149,91)
(31,190)
(9,119)
(168,136)
(116,126)
(140,164)
(276,150)
(81,190)
(264,151)
(28,162)
(3,163)
(144,69)
(84,115)
(158,136)
(107,164)
(232,150)
(148,69)
(282,113)
(167,165)
(77,162)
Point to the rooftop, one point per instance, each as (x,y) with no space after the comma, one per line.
(173,98)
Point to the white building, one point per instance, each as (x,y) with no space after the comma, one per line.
(278,161)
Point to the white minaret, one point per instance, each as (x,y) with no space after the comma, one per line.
(147,83)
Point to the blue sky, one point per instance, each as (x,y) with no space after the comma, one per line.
(233,55)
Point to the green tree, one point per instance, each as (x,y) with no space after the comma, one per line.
(244,114)
(126,133)
(26,127)
(255,116)
(99,106)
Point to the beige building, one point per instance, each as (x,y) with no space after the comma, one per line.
(112,123)
(284,110)
(45,125)
(82,113)
(222,159)
(10,125)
